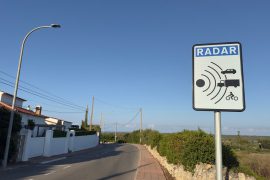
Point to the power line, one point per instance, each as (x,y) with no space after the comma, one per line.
(116,106)
(27,89)
(132,119)
(67,112)
(49,93)
(8,83)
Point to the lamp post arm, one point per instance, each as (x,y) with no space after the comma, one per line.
(20,62)
(15,95)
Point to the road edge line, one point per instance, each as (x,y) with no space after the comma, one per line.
(53,160)
(139,162)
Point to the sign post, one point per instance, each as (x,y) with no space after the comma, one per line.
(218,85)
(218,145)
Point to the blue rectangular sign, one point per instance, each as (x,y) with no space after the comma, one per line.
(216,51)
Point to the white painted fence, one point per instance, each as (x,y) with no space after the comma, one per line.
(49,146)
(77,143)
(33,146)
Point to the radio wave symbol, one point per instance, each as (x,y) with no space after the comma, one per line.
(213,77)
(220,87)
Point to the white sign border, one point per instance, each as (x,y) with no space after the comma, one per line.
(242,74)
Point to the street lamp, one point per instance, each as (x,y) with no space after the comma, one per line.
(16,89)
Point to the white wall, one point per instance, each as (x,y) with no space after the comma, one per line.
(33,147)
(36,146)
(59,146)
(83,142)
(49,146)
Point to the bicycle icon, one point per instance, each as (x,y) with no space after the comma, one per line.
(231,96)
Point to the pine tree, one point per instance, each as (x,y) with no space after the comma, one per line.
(86,117)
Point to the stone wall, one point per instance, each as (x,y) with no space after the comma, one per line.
(201,172)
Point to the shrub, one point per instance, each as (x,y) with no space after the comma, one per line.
(4,122)
(198,147)
(265,144)
(59,133)
(107,137)
(84,133)
(163,144)
(31,124)
(133,137)
(229,158)
(151,137)
(188,148)
(193,147)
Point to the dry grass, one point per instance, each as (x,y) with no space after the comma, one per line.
(257,162)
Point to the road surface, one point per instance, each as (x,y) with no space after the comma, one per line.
(110,161)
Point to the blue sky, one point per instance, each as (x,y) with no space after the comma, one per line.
(132,54)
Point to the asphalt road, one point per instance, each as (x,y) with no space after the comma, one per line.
(109,161)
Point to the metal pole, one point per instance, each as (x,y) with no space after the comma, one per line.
(100,124)
(115,135)
(141,128)
(91,118)
(15,95)
(218,145)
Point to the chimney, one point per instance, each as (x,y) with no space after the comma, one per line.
(38,110)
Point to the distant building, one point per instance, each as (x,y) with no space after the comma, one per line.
(58,122)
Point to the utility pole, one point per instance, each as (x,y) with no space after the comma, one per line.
(141,127)
(115,133)
(86,117)
(100,123)
(91,118)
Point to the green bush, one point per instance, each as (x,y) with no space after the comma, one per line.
(229,158)
(107,137)
(265,143)
(59,133)
(4,122)
(187,148)
(133,137)
(84,133)
(163,144)
(151,137)
(31,124)
(197,147)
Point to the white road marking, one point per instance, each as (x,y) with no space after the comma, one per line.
(49,173)
(66,167)
(58,159)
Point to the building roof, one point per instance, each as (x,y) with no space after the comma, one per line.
(10,95)
(20,110)
(57,119)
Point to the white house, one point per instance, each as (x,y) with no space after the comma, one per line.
(58,122)
(42,122)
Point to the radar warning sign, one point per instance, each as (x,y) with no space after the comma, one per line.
(218,83)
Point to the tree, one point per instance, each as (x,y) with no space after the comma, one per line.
(4,123)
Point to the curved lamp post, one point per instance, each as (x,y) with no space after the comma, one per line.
(16,89)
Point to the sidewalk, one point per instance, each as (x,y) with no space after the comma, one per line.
(149,168)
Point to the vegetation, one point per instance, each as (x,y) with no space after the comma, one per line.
(31,124)
(86,127)
(252,153)
(107,137)
(187,147)
(59,133)
(4,122)
(84,133)
(247,154)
